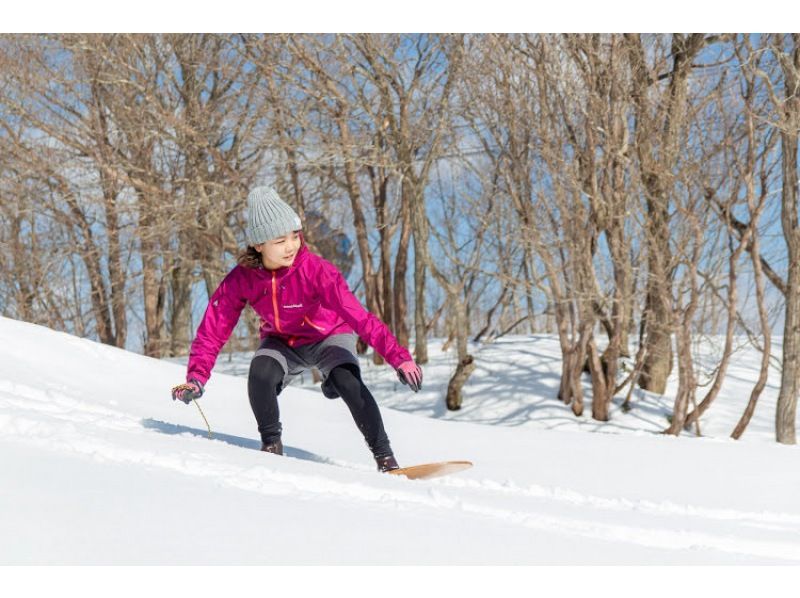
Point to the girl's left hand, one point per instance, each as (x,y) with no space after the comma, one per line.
(411,374)
(188,392)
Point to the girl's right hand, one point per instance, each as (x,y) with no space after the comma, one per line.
(188,392)
(410,373)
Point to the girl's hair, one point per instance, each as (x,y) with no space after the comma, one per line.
(249,258)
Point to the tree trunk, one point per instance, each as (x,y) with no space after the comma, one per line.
(754,248)
(683,319)
(741,426)
(658,361)
(152,286)
(400,271)
(463,371)
(786,413)
(466,363)
(359,221)
(686,384)
(657,149)
(421,260)
(602,393)
(180,317)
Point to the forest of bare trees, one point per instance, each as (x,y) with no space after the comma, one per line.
(633,195)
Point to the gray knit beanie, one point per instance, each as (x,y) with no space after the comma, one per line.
(268,216)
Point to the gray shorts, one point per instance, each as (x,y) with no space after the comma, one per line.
(325,355)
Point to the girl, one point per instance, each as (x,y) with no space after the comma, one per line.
(309,318)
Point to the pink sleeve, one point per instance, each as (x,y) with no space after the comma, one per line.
(336,295)
(223,311)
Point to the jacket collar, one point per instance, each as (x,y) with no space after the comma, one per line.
(302,255)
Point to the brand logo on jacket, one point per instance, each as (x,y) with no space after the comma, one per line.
(293,306)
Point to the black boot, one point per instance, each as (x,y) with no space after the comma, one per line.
(386,463)
(275,447)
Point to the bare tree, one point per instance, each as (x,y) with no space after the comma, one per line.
(456,279)
(787,52)
(69,158)
(758,137)
(660,118)
(743,161)
(146,130)
(594,117)
(414,82)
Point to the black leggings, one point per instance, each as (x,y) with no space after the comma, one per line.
(264,384)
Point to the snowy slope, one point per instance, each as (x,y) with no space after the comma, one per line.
(101,466)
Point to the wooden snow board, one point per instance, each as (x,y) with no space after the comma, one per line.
(431,470)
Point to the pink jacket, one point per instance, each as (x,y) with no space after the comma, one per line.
(300,304)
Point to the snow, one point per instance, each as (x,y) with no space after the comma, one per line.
(100,466)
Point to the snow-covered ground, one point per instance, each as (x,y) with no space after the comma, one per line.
(100,466)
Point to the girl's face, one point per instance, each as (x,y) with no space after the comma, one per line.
(280,252)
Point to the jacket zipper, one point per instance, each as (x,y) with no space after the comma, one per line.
(291,340)
(275,303)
